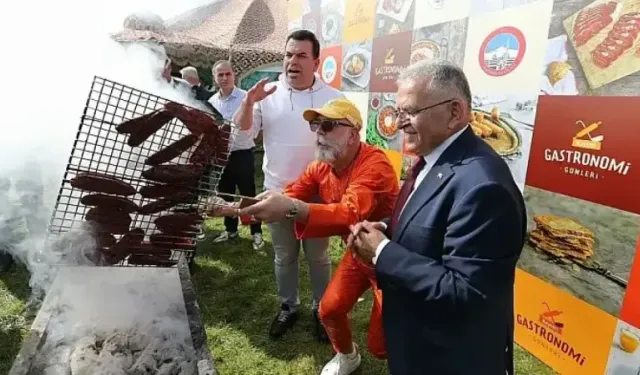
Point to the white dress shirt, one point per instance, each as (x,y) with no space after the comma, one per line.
(227,106)
(430,161)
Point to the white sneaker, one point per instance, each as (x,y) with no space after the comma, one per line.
(258,242)
(343,364)
(225,236)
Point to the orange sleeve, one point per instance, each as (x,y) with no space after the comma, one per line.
(372,179)
(306,186)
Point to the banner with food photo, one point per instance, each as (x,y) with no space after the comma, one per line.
(431,12)
(602,45)
(562,330)
(505,49)
(506,123)
(332,22)
(394,16)
(382,129)
(443,41)
(624,356)
(330,69)
(356,67)
(359,21)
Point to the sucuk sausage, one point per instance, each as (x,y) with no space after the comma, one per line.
(149,260)
(134,124)
(148,128)
(163,191)
(164,204)
(173,173)
(196,121)
(172,151)
(105,239)
(179,219)
(148,248)
(101,183)
(117,203)
(107,220)
(205,150)
(165,241)
(124,246)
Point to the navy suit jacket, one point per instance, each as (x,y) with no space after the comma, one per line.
(447,275)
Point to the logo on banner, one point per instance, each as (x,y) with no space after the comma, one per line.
(502,51)
(311,26)
(329,69)
(547,330)
(582,162)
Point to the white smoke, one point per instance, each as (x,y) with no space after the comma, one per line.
(51,52)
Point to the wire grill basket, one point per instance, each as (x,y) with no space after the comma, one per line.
(99,148)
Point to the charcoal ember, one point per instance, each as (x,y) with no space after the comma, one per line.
(164,190)
(164,203)
(156,121)
(110,201)
(102,183)
(146,362)
(168,241)
(172,151)
(196,121)
(174,173)
(84,359)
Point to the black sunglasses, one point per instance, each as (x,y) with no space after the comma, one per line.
(326,125)
(401,113)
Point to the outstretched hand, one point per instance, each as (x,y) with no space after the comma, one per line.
(258,91)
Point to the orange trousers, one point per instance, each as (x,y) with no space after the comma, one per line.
(350,280)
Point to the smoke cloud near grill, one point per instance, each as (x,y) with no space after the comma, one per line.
(51,52)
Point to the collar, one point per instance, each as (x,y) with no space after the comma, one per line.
(231,95)
(434,155)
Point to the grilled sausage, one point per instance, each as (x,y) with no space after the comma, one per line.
(107,220)
(149,127)
(179,219)
(105,240)
(126,244)
(149,260)
(148,248)
(165,241)
(116,203)
(164,204)
(196,121)
(162,191)
(101,183)
(172,151)
(172,173)
(134,124)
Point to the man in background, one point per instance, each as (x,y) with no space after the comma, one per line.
(240,170)
(190,74)
(289,146)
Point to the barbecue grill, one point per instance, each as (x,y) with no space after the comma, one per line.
(98,147)
(122,320)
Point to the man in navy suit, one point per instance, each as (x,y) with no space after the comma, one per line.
(446,259)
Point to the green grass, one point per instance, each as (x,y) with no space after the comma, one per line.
(237,298)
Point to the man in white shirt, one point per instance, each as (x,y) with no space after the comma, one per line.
(239,172)
(289,145)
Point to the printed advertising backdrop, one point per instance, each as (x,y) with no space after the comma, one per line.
(555,87)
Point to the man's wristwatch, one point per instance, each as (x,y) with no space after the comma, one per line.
(293,212)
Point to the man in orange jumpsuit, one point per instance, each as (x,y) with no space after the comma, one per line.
(354,181)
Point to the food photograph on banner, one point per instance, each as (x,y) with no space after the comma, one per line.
(505,49)
(596,45)
(624,356)
(332,22)
(356,67)
(382,129)
(394,16)
(581,206)
(443,41)
(506,122)
(431,12)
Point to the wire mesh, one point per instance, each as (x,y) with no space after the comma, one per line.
(99,148)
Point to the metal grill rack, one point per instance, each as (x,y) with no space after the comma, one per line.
(98,147)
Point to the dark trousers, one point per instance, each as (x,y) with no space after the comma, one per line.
(239,173)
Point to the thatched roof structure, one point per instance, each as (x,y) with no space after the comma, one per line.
(250,33)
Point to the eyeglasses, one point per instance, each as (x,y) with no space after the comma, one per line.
(326,125)
(399,113)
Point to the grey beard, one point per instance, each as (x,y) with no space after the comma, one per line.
(327,154)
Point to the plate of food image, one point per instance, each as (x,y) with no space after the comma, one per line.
(355,65)
(496,131)
(386,123)
(424,50)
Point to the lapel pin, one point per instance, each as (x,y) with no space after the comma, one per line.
(439,175)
